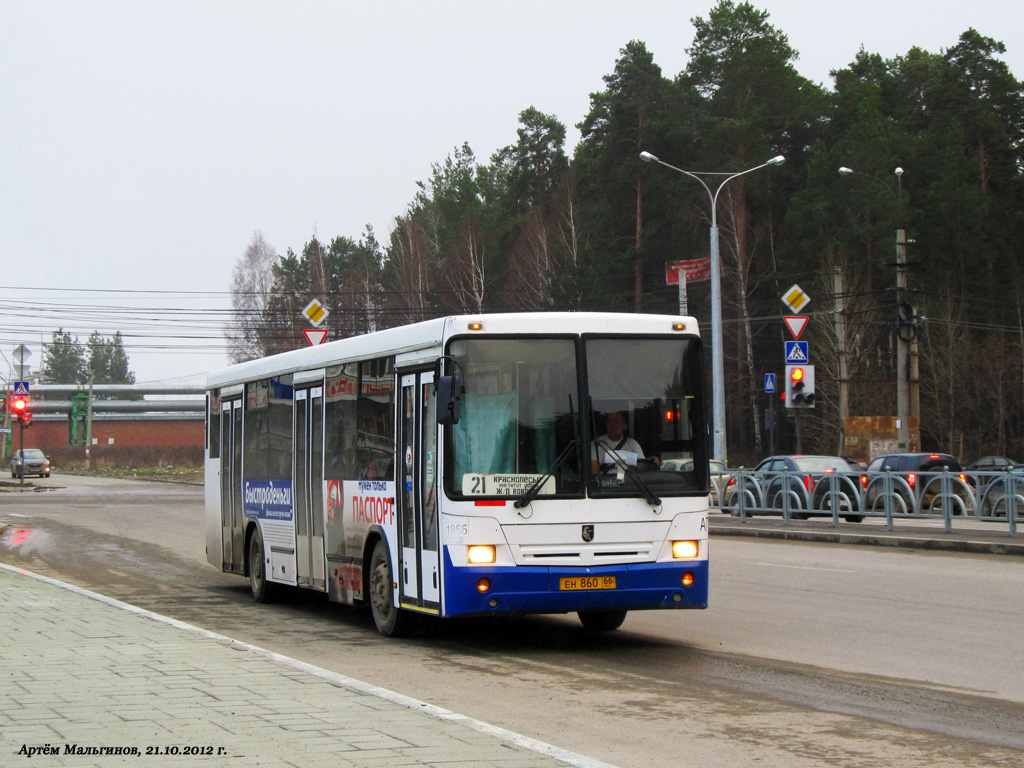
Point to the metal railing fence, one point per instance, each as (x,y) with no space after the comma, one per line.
(995,497)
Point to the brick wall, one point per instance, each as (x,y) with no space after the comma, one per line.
(135,433)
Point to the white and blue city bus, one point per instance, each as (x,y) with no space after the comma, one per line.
(449,468)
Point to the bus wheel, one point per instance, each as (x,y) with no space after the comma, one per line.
(391,621)
(602,621)
(263,591)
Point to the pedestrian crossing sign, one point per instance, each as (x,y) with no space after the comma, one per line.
(796,352)
(21,388)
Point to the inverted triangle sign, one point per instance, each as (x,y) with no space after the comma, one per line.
(796,324)
(315,336)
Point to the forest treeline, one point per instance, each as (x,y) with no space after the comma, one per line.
(532,228)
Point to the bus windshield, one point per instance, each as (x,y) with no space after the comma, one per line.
(645,411)
(519,420)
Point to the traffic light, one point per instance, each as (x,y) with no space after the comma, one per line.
(19,409)
(799,386)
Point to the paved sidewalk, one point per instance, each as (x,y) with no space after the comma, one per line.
(84,676)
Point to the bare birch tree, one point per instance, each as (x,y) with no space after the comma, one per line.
(255,330)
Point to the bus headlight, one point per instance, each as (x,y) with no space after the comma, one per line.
(480,554)
(685,550)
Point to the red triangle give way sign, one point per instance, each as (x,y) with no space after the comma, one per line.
(315,337)
(796,324)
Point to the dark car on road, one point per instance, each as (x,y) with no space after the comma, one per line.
(917,480)
(33,463)
(806,485)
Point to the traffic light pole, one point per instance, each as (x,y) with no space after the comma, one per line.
(21,451)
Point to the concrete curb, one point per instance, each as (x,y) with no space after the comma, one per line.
(964,541)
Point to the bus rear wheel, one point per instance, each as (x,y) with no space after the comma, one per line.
(391,620)
(263,591)
(602,621)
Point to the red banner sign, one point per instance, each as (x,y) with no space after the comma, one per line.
(694,269)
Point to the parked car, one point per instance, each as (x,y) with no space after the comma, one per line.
(994,489)
(720,473)
(857,464)
(34,463)
(918,481)
(992,464)
(807,484)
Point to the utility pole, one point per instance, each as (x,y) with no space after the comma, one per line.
(902,347)
(904,316)
(915,384)
(839,289)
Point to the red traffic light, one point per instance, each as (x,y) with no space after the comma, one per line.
(19,409)
(796,375)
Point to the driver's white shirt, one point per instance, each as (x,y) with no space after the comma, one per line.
(605,446)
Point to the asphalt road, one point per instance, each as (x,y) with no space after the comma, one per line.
(809,655)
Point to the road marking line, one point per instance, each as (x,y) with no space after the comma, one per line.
(807,567)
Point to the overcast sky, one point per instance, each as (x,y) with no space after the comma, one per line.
(143,143)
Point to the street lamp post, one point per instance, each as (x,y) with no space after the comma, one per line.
(902,343)
(720,451)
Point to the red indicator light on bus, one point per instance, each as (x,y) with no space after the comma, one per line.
(687,579)
(483,585)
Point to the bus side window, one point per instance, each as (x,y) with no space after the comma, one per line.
(375,420)
(213,425)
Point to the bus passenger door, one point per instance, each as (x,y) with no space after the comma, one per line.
(308,486)
(417,507)
(232,516)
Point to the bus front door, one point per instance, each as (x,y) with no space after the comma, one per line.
(231,515)
(308,486)
(417,494)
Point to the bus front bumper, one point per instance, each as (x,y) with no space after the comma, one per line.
(533,589)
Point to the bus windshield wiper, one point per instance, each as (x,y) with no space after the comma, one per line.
(531,493)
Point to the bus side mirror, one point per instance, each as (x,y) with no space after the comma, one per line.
(448,400)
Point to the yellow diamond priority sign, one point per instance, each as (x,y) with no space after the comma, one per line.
(795,298)
(315,312)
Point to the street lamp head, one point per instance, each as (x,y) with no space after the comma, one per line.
(777,160)
(845,170)
(898,171)
(647,157)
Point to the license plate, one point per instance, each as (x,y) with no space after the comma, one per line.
(587,582)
